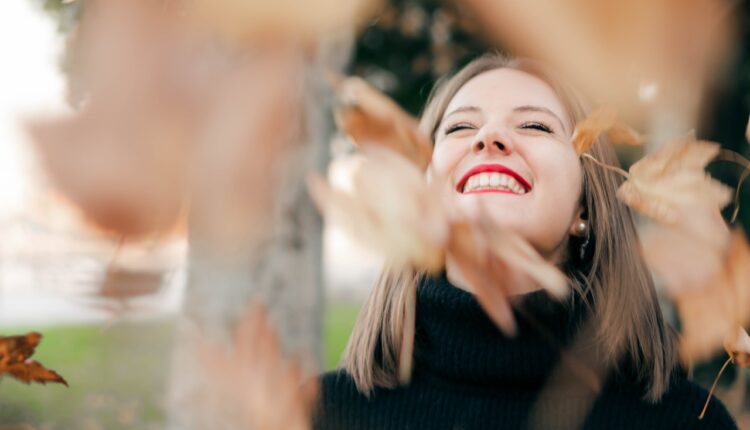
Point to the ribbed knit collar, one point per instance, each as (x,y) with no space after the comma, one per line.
(457,342)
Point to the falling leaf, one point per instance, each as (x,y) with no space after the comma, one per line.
(602,47)
(497,261)
(603,121)
(710,313)
(673,179)
(688,253)
(122,157)
(254,381)
(737,345)
(392,209)
(15,353)
(253,21)
(369,117)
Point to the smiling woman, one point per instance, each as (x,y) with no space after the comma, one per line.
(604,358)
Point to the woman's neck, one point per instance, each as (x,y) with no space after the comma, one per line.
(516,281)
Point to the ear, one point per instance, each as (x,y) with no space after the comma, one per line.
(579,226)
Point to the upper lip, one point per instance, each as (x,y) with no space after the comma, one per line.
(492,168)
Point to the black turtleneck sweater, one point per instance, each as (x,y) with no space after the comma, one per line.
(468,375)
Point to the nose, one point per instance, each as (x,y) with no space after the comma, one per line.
(488,140)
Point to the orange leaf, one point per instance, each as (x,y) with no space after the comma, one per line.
(263,21)
(121,158)
(498,263)
(689,253)
(709,313)
(369,117)
(254,381)
(672,179)
(15,353)
(603,121)
(737,345)
(392,209)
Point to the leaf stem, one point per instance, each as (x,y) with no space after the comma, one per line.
(615,169)
(713,387)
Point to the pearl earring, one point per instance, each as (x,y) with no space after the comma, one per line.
(582,227)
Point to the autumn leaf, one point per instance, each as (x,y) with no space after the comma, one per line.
(710,313)
(672,179)
(603,121)
(737,345)
(122,157)
(369,117)
(602,47)
(257,21)
(15,353)
(255,382)
(392,209)
(688,253)
(497,261)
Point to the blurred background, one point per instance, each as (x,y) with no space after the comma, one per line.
(110,310)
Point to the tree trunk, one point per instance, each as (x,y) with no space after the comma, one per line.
(281,269)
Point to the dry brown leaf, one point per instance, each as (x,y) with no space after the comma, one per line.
(737,345)
(392,209)
(254,382)
(15,353)
(256,20)
(601,46)
(603,121)
(121,159)
(496,261)
(369,117)
(672,179)
(123,284)
(710,313)
(689,253)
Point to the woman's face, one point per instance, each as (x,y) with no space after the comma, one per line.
(504,143)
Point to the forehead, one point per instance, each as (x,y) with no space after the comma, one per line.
(505,89)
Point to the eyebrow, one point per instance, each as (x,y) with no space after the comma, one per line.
(532,108)
(524,108)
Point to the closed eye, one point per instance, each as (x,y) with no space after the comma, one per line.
(458,127)
(537,126)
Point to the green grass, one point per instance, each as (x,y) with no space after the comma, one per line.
(117,375)
(339,321)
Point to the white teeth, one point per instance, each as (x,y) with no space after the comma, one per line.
(493,180)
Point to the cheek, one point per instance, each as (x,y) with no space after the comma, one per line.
(560,185)
(445,158)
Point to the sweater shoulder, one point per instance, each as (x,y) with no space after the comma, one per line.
(338,394)
(690,398)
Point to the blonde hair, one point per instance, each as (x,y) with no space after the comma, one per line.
(611,278)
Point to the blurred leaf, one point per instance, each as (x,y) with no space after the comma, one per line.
(254,381)
(280,20)
(603,121)
(677,44)
(673,179)
(391,209)
(369,117)
(711,313)
(737,345)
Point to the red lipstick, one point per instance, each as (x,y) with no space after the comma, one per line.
(492,168)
